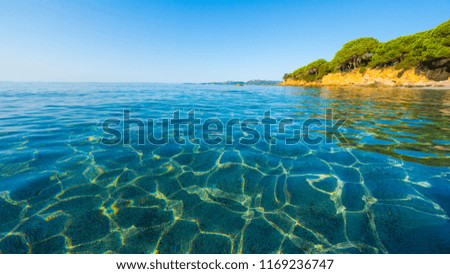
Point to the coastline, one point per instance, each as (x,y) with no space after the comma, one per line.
(385,77)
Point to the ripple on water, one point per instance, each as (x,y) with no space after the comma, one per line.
(62,191)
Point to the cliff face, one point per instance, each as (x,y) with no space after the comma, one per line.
(437,70)
(413,77)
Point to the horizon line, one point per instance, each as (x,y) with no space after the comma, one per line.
(133,82)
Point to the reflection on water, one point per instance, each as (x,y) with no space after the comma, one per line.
(412,125)
(61,191)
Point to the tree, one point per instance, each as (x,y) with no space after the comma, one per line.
(355,54)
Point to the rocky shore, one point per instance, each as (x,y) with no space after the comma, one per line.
(389,77)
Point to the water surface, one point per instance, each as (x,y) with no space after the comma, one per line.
(63,191)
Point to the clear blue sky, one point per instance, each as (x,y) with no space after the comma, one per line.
(191,41)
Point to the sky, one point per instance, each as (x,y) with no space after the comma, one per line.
(175,41)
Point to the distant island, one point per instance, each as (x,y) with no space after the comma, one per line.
(241,83)
(417,60)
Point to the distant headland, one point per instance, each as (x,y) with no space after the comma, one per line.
(416,60)
(242,83)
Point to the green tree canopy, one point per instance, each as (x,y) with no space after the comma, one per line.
(403,52)
(355,53)
(311,72)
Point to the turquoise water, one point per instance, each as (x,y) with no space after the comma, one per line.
(63,191)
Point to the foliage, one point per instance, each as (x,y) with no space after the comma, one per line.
(311,72)
(355,53)
(403,52)
(394,51)
(409,51)
(434,44)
